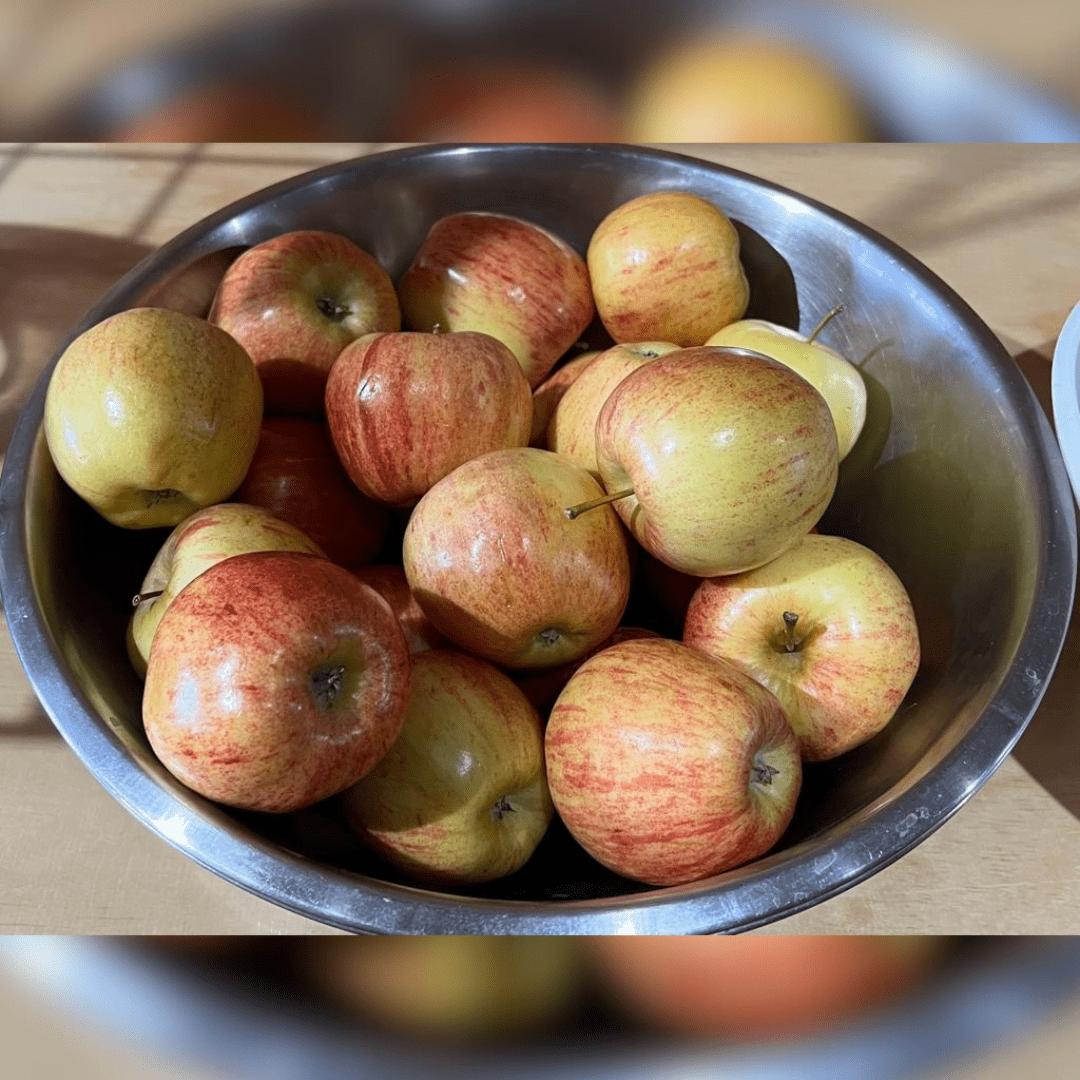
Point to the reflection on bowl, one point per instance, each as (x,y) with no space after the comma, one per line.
(956,482)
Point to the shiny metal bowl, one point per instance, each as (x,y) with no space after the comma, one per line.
(956,481)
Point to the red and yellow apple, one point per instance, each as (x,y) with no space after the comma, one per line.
(390,582)
(502,276)
(294,302)
(728,458)
(405,409)
(499,568)
(665,267)
(549,393)
(669,766)
(276,680)
(827,626)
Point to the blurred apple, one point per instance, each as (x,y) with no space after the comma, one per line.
(572,431)
(838,381)
(757,986)
(489,102)
(206,537)
(729,458)
(294,302)
(226,112)
(669,766)
(276,680)
(296,475)
(446,987)
(390,582)
(739,88)
(665,267)
(151,415)
(499,568)
(827,627)
(461,797)
(502,276)
(405,409)
(549,393)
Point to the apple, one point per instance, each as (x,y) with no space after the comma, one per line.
(738,88)
(827,627)
(838,381)
(457,988)
(543,686)
(294,302)
(296,475)
(405,409)
(665,267)
(499,568)
(461,797)
(276,680)
(151,415)
(502,276)
(463,100)
(572,430)
(757,986)
(390,582)
(206,537)
(669,766)
(716,459)
(549,393)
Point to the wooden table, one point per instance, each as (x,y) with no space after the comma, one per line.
(999,224)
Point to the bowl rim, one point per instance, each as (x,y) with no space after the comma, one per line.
(768,889)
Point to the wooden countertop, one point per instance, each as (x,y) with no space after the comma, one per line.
(1000,224)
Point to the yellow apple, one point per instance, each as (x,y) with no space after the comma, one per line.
(838,381)
(151,415)
(572,429)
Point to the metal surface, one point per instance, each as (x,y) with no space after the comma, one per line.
(956,481)
(348,62)
(980,1000)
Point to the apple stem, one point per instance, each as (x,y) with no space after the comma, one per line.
(791,642)
(576,511)
(825,322)
(138,598)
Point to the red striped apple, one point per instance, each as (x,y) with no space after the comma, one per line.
(296,475)
(406,409)
(390,582)
(499,568)
(827,627)
(665,267)
(276,680)
(294,302)
(501,276)
(669,766)
(721,458)
(549,393)
(461,797)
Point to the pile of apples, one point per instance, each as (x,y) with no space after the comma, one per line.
(401,559)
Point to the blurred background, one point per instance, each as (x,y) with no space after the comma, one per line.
(783,1008)
(539,70)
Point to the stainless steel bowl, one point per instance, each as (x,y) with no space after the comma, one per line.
(956,481)
(211,1016)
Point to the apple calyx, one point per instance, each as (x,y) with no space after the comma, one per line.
(573,512)
(829,316)
(762,773)
(549,636)
(334,311)
(325,684)
(138,598)
(153,497)
(501,808)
